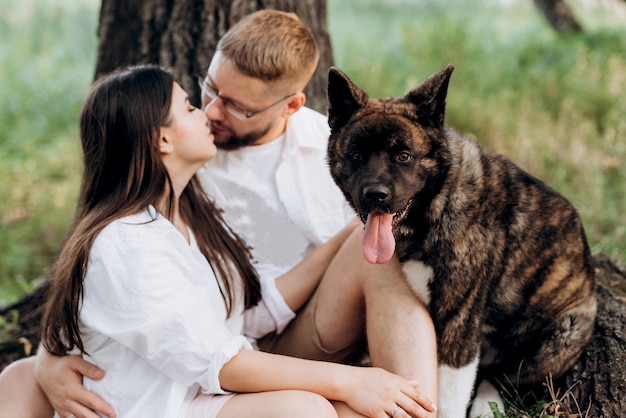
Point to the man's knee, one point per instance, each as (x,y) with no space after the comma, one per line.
(307,404)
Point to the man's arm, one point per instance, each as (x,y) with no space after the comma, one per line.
(298,284)
(61,380)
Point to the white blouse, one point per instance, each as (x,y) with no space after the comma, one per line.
(154,319)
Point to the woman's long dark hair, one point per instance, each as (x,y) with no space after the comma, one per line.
(124,174)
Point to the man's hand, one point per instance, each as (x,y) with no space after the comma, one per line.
(61,380)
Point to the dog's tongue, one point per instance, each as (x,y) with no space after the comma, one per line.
(378,242)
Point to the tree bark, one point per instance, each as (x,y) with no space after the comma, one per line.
(183,35)
(559,15)
(597,382)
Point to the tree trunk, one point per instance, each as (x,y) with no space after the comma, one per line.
(183,34)
(559,15)
(597,382)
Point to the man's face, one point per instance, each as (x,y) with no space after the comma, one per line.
(240,111)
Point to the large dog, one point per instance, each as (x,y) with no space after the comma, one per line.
(500,259)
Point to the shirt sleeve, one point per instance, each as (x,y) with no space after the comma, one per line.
(272,312)
(150,295)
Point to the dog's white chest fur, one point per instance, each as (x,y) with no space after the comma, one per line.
(418,275)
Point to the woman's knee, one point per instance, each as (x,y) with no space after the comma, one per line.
(20,394)
(17,372)
(307,404)
(19,368)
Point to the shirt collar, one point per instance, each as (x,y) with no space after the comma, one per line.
(300,135)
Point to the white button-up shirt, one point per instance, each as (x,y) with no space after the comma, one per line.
(153,317)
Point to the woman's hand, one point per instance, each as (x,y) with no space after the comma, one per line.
(375,392)
(61,380)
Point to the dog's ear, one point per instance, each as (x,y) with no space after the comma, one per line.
(344,99)
(429,97)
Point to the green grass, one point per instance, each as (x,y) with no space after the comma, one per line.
(48,57)
(555,105)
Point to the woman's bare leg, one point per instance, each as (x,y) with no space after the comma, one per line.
(278,404)
(20,394)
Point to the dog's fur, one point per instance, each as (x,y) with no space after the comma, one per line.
(500,259)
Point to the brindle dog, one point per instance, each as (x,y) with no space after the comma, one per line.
(500,259)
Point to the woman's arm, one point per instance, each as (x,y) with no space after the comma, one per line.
(368,390)
(297,285)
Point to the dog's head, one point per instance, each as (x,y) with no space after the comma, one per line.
(386,154)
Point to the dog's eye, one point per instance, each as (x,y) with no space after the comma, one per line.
(356,156)
(403,157)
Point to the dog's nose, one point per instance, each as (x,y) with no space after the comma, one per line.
(376,193)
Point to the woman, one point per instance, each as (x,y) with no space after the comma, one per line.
(154,288)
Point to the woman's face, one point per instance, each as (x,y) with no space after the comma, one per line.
(191,143)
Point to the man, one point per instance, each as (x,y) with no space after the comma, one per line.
(271,178)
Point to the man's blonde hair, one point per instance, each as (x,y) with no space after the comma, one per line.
(273,46)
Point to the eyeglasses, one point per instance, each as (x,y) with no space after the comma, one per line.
(209,91)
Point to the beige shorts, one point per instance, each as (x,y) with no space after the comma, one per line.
(301,339)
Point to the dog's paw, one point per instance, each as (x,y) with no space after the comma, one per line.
(486,395)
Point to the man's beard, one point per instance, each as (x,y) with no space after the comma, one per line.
(237,142)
